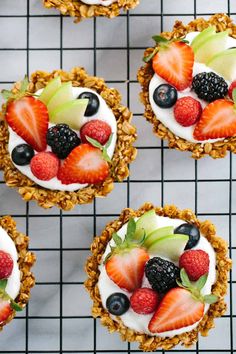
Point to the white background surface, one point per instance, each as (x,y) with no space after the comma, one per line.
(58,317)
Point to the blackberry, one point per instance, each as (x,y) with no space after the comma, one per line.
(62,140)
(161,274)
(209,86)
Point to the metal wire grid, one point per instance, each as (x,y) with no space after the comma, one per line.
(26,339)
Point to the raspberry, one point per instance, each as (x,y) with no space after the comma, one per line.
(44,166)
(231,88)
(97,130)
(187,111)
(6,265)
(144,301)
(195,263)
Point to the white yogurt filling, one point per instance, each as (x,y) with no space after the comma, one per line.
(166,115)
(99,2)
(131,319)
(13,282)
(104,113)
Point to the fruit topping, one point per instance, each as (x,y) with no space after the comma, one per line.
(125,264)
(187,111)
(50,89)
(28,117)
(93,104)
(44,166)
(62,140)
(146,224)
(158,233)
(62,95)
(161,274)
(117,304)
(202,36)
(144,301)
(195,262)
(209,86)
(165,96)
(224,63)
(85,164)
(22,154)
(97,130)
(6,302)
(218,120)
(190,230)
(231,89)
(6,265)
(5,310)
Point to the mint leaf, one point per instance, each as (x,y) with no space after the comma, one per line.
(117,239)
(15,306)
(24,84)
(109,141)
(185,279)
(94,142)
(3,284)
(200,283)
(211,299)
(105,155)
(159,39)
(131,228)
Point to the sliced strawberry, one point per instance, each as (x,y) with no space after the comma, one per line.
(5,310)
(84,165)
(174,63)
(218,120)
(28,117)
(126,268)
(178,309)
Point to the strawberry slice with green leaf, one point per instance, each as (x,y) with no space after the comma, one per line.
(7,304)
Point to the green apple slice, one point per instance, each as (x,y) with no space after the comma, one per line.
(153,236)
(146,224)
(62,95)
(50,89)
(71,113)
(224,63)
(171,246)
(202,37)
(211,47)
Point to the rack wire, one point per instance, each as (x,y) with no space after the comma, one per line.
(58,319)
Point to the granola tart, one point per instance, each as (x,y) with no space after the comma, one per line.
(186,129)
(15,275)
(96,114)
(110,290)
(86,9)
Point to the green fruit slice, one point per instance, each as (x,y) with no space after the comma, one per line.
(50,89)
(171,246)
(153,236)
(211,47)
(224,63)
(202,37)
(146,223)
(71,113)
(62,95)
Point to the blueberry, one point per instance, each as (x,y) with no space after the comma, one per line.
(93,104)
(117,304)
(190,230)
(165,96)
(22,154)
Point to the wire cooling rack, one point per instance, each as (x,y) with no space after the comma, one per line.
(58,319)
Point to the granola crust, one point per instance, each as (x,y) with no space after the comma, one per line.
(145,73)
(146,342)
(25,261)
(78,9)
(123,155)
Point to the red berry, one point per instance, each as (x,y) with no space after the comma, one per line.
(187,111)
(144,301)
(97,130)
(195,263)
(231,88)
(44,165)
(6,265)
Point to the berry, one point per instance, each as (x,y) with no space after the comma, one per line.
(218,120)
(44,165)
(28,117)
(6,265)
(161,274)
(187,111)
(84,165)
(231,88)
(97,130)
(190,230)
(177,309)
(195,262)
(22,154)
(144,301)
(93,104)
(62,140)
(5,310)
(209,86)
(117,304)
(174,63)
(165,96)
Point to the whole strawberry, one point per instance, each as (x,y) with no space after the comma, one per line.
(97,130)
(144,301)
(6,265)
(187,111)
(195,262)
(45,165)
